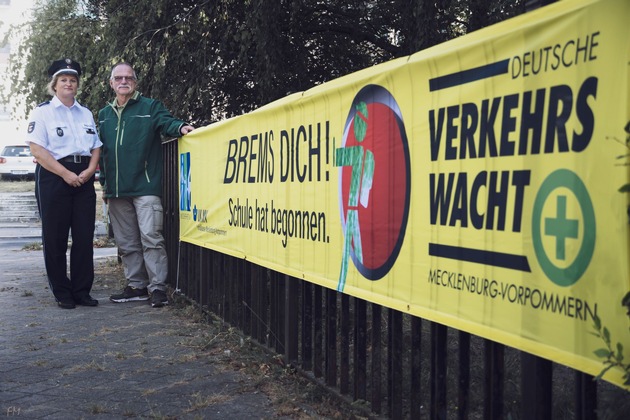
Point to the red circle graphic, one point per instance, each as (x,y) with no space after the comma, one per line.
(382,222)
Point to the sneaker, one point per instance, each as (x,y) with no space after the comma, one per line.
(158,298)
(130,294)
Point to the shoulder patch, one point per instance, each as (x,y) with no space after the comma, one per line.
(43,103)
(31,127)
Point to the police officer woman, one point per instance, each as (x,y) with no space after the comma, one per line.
(63,139)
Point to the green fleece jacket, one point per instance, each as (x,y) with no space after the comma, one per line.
(131,157)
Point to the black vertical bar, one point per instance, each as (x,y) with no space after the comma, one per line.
(463,388)
(375,396)
(231,268)
(186,268)
(205,275)
(223,289)
(191,285)
(212,267)
(218,282)
(281,279)
(318,335)
(291,319)
(264,303)
(536,387)
(394,356)
(585,397)
(247,300)
(235,284)
(307,326)
(240,302)
(237,281)
(219,291)
(493,401)
(212,292)
(273,311)
(344,353)
(438,371)
(183,274)
(415,391)
(200,276)
(193,280)
(209,257)
(331,337)
(360,349)
(253,305)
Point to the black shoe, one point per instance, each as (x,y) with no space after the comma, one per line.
(86,301)
(130,294)
(66,305)
(158,298)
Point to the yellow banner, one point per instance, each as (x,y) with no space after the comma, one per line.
(481,184)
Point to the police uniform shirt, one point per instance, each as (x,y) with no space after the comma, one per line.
(62,130)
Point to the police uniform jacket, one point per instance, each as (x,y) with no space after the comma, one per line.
(62,130)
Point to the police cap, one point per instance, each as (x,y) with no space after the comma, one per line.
(66,66)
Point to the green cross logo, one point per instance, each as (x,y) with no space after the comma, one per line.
(561,229)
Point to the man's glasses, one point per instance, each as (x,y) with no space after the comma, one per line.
(121,78)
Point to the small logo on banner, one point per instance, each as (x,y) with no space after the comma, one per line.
(184,182)
(563,227)
(374,184)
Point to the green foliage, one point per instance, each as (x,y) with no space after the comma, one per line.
(612,355)
(624,157)
(208,60)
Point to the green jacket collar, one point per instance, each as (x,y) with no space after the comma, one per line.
(135,97)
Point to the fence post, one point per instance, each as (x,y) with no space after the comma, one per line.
(493,401)
(344,344)
(585,396)
(291,301)
(438,371)
(360,349)
(318,334)
(307,325)
(535,387)
(375,396)
(415,393)
(331,337)
(463,393)
(394,363)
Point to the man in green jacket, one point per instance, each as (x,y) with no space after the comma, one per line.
(131,128)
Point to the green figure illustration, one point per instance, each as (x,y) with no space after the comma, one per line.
(362,163)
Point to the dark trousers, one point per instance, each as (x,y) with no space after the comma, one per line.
(64,209)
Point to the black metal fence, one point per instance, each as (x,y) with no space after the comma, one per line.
(399,365)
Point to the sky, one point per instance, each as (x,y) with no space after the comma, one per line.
(13,13)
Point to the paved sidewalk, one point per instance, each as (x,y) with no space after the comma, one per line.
(33,231)
(114,361)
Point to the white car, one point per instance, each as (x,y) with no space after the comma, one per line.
(17,162)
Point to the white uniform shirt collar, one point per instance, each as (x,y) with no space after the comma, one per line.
(57,103)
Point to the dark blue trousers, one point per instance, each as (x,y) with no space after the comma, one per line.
(64,209)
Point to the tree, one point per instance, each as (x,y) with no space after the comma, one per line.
(208,60)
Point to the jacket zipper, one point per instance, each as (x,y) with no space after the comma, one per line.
(120,131)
